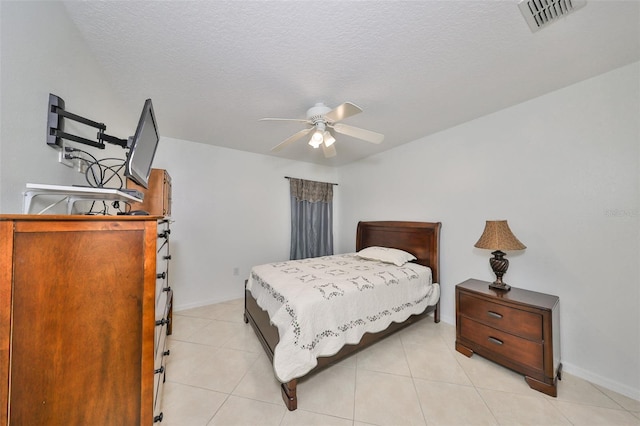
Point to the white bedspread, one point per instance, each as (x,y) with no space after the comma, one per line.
(321,304)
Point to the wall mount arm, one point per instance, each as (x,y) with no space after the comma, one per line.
(55,126)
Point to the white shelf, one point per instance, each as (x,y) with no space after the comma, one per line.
(71,194)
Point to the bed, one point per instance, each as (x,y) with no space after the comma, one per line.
(280,309)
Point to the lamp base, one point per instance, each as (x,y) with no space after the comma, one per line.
(500,286)
(499,264)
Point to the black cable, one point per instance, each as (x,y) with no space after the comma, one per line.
(88,154)
(98,174)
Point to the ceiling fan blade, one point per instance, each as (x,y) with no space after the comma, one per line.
(292,139)
(343,111)
(301,120)
(329,151)
(356,132)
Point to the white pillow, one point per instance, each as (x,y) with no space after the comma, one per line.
(386,254)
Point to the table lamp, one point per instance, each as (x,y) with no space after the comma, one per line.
(497,236)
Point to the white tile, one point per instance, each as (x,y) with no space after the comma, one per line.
(435,362)
(203,366)
(260,383)
(386,356)
(189,406)
(423,331)
(306,418)
(244,339)
(331,392)
(227,311)
(184,327)
(575,389)
(218,333)
(451,404)
(581,414)
(487,374)
(626,402)
(243,412)
(517,409)
(386,399)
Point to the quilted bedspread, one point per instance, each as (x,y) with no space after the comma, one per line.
(321,304)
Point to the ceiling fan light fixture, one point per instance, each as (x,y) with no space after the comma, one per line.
(316,139)
(323,123)
(328,139)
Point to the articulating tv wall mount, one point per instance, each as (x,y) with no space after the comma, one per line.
(56,133)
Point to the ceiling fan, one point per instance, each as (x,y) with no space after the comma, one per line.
(323,123)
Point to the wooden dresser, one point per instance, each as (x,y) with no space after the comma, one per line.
(81,339)
(157,201)
(518,329)
(157,198)
(163,313)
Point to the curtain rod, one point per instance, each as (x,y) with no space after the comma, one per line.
(289,177)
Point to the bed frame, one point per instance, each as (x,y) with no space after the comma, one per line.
(422,239)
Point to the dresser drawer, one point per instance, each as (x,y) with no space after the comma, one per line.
(158,385)
(522,323)
(161,348)
(162,287)
(522,351)
(161,318)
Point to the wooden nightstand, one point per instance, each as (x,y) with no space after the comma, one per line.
(518,329)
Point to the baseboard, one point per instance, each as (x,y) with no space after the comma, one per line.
(185,306)
(448,319)
(605,382)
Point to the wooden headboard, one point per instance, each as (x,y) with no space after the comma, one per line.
(422,239)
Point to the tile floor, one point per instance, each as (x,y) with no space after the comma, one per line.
(218,374)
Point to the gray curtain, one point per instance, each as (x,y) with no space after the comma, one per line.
(311,218)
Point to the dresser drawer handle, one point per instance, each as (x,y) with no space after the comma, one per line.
(159,370)
(162,322)
(494,314)
(158,418)
(161,275)
(495,341)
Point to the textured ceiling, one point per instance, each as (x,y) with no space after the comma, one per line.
(214,68)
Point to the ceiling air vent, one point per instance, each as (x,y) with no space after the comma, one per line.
(540,13)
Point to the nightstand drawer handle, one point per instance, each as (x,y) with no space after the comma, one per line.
(496,341)
(494,314)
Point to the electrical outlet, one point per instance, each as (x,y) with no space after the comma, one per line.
(61,154)
(82,166)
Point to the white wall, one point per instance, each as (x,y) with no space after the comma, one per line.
(231,210)
(43,53)
(563,169)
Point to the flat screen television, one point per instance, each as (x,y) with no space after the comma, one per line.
(142,147)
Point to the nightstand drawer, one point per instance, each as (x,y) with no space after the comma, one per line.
(513,320)
(522,351)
